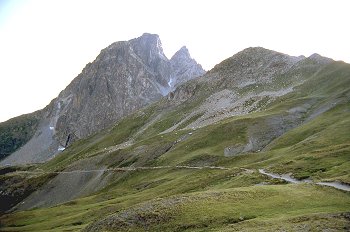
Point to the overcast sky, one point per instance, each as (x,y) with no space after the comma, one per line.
(44,44)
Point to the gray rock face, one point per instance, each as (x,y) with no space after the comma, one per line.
(124,77)
(185,68)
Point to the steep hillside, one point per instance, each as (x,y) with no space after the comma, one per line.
(17,132)
(197,159)
(124,77)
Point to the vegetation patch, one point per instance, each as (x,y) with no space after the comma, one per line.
(16,132)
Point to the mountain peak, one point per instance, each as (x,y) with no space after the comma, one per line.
(253,61)
(256,51)
(149,35)
(185,67)
(320,59)
(183,53)
(183,49)
(149,47)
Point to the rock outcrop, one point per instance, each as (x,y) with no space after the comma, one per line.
(185,68)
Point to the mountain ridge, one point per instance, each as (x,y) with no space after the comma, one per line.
(124,77)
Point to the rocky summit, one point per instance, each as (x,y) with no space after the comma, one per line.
(124,77)
(185,68)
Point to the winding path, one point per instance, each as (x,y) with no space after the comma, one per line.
(290,179)
(123,169)
(285,177)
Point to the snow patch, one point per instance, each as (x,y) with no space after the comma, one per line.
(163,90)
(60,148)
(170,82)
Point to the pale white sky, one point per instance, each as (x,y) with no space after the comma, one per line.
(44,44)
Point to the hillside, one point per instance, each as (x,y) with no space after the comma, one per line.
(17,132)
(191,161)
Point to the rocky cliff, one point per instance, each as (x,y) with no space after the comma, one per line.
(124,77)
(185,67)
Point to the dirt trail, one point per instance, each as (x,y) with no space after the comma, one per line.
(285,177)
(290,179)
(121,169)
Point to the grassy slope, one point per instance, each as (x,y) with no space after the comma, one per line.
(16,132)
(216,200)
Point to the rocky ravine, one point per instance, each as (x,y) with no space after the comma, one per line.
(124,77)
